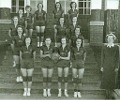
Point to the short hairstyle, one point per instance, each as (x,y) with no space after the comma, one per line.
(28,7)
(60,5)
(39,4)
(81,40)
(72,3)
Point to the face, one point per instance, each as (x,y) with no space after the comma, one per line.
(110,39)
(74,19)
(27,40)
(19,30)
(73,5)
(57,5)
(40,6)
(63,40)
(78,42)
(48,41)
(15,19)
(61,20)
(28,10)
(21,11)
(77,31)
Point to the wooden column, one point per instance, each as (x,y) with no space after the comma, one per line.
(119,23)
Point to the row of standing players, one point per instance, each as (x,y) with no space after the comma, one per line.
(61,55)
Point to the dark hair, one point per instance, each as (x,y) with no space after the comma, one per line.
(28,7)
(27,38)
(81,41)
(39,4)
(21,9)
(60,5)
(78,26)
(72,3)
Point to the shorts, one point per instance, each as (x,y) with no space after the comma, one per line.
(78,64)
(16,51)
(27,64)
(29,26)
(63,63)
(40,23)
(47,63)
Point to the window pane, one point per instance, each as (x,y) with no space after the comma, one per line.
(80,4)
(13,9)
(80,11)
(13,2)
(21,3)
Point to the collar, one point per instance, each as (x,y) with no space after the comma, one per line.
(110,45)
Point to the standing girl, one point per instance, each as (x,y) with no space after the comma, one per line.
(109,65)
(78,60)
(63,66)
(27,56)
(40,20)
(47,66)
(18,42)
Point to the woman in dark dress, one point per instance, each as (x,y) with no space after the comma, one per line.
(109,65)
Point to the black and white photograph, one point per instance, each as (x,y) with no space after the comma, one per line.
(59,49)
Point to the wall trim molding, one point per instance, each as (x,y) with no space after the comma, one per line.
(5,21)
(96,22)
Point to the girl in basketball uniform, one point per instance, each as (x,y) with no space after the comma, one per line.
(40,20)
(27,58)
(78,59)
(60,31)
(58,13)
(63,66)
(73,12)
(29,21)
(12,32)
(47,65)
(18,42)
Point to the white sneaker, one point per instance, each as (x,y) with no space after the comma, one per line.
(14,64)
(38,44)
(25,93)
(48,93)
(60,94)
(79,95)
(28,93)
(66,94)
(44,93)
(20,79)
(75,94)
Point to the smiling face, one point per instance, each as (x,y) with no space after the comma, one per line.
(15,19)
(61,20)
(63,41)
(77,31)
(74,19)
(73,5)
(28,41)
(40,6)
(48,41)
(20,31)
(28,10)
(57,5)
(110,39)
(21,12)
(79,42)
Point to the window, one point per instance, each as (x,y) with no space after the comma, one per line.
(112,4)
(16,5)
(84,7)
(96,4)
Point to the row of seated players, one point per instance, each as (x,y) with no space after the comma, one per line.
(62,57)
(37,21)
